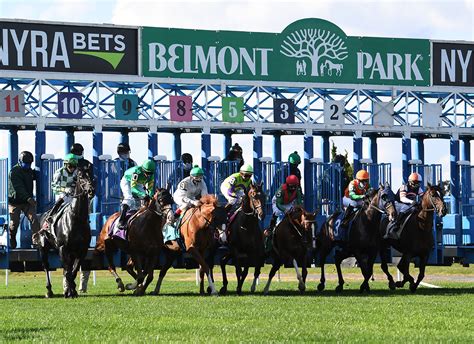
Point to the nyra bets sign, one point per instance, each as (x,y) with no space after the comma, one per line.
(68,48)
(308,50)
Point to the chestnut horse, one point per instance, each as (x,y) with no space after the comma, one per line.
(364,240)
(198,227)
(145,241)
(416,239)
(291,239)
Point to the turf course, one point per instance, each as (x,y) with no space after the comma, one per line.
(181,315)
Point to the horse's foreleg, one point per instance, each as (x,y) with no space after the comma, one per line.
(74,270)
(139,263)
(150,268)
(198,256)
(301,285)
(338,258)
(322,261)
(304,272)
(276,265)
(384,265)
(169,257)
(224,260)
(421,274)
(67,272)
(243,276)
(366,263)
(404,267)
(45,261)
(256,274)
(109,250)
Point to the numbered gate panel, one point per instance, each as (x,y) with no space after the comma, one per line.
(233,109)
(334,112)
(70,105)
(12,103)
(126,107)
(181,108)
(284,111)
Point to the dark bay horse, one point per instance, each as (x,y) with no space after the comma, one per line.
(416,239)
(198,228)
(69,233)
(291,239)
(246,240)
(145,241)
(364,240)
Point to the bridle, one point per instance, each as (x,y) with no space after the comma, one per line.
(301,225)
(432,203)
(254,207)
(387,204)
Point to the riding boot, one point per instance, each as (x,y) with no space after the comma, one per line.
(123,216)
(49,219)
(393,228)
(347,215)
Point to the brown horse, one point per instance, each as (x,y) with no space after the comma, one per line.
(291,239)
(364,239)
(416,239)
(145,241)
(197,228)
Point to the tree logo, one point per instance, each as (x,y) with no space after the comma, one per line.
(325,50)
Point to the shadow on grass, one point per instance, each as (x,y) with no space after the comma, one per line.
(23,333)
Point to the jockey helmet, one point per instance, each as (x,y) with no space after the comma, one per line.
(77,149)
(362,175)
(294,158)
(26,157)
(415,178)
(149,166)
(246,169)
(123,148)
(70,159)
(196,171)
(292,180)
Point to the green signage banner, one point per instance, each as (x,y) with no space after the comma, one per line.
(308,50)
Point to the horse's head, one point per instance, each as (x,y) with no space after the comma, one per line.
(84,184)
(162,198)
(433,199)
(385,201)
(257,200)
(303,218)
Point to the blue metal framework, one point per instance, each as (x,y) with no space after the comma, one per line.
(218,171)
(327,188)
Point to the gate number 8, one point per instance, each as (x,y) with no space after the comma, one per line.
(181,108)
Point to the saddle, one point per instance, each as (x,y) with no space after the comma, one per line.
(337,232)
(116,232)
(47,234)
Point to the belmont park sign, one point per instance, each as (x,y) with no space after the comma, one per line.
(308,50)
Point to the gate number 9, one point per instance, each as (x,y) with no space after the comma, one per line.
(127,106)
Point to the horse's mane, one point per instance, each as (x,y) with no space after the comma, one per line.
(209,199)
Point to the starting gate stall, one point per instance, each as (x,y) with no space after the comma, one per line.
(110,174)
(218,171)
(432,174)
(273,176)
(327,187)
(168,172)
(378,173)
(4,237)
(466,251)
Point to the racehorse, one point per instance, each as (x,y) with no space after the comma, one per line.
(364,239)
(198,227)
(416,239)
(70,233)
(145,241)
(291,239)
(246,239)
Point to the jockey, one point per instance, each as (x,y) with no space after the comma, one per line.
(294,159)
(123,151)
(234,186)
(287,196)
(64,181)
(137,183)
(406,198)
(190,190)
(354,194)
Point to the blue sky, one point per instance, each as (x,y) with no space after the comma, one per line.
(443,20)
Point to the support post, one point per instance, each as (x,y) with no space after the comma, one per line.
(176,145)
(97,149)
(406,156)
(124,138)
(205,149)
(454,173)
(257,154)
(326,148)
(373,149)
(41,180)
(420,149)
(466,149)
(69,140)
(152,143)
(308,147)
(357,144)
(12,147)
(227,144)
(277,147)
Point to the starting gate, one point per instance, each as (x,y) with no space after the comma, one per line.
(430,173)
(273,176)
(379,173)
(3,213)
(46,197)
(218,171)
(327,187)
(109,179)
(467,198)
(168,172)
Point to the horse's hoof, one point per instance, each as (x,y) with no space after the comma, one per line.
(399,284)
(321,286)
(253,288)
(120,287)
(153,293)
(265,292)
(209,290)
(392,285)
(339,288)
(223,291)
(214,293)
(49,294)
(413,287)
(301,287)
(131,286)
(239,292)
(74,293)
